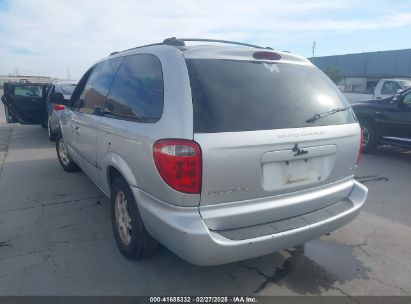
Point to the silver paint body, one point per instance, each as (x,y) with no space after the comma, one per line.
(240,184)
(54,116)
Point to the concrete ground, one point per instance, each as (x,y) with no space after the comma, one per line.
(56,238)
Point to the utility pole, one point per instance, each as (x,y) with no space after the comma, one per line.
(314,50)
(68,73)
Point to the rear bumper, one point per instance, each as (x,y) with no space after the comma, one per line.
(184,232)
(54,118)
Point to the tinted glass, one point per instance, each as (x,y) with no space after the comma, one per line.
(78,90)
(137,90)
(98,85)
(50,90)
(28,91)
(231,96)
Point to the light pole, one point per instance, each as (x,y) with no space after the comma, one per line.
(314,50)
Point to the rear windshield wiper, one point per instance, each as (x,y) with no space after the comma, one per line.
(321,115)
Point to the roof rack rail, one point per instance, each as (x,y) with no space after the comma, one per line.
(181,42)
(136,47)
(173,41)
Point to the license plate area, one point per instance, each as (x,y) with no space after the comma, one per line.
(298,171)
(283,170)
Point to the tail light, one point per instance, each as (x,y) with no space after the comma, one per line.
(58,107)
(359,150)
(178,161)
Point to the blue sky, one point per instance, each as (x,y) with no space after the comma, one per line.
(45,37)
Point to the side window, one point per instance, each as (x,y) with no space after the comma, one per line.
(50,90)
(396,87)
(28,91)
(94,94)
(390,88)
(407,99)
(137,92)
(75,100)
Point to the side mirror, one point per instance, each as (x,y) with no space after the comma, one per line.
(400,91)
(58,98)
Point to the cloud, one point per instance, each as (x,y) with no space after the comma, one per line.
(77,33)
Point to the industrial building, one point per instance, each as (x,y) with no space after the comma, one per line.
(361,72)
(22,78)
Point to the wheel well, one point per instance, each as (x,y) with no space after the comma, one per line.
(373,128)
(365,118)
(113,174)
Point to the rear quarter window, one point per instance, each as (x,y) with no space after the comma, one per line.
(233,95)
(137,91)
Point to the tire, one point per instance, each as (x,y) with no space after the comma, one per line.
(369,136)
(64,157)
(7,115)
(51,134)
(44,124)
(136,242)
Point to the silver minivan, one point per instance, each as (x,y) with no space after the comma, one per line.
(220,153)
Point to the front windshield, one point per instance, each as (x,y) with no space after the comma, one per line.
(406,83)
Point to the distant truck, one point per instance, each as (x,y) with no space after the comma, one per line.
(385,88)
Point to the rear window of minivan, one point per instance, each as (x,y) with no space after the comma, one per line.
(234,95)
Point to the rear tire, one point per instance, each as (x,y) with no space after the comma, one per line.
(132,238)
(66,162)
(51,134)
(369,136)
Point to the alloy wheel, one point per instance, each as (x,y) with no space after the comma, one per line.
(63,153)
(123,219)
(365,136)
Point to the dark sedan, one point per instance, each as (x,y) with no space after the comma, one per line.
(385,121)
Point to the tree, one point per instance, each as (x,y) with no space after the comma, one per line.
(334,74)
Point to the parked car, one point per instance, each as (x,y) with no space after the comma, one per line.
(385,121)
(385,88)
(66,88)
(220,153)
(25,103)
